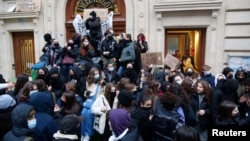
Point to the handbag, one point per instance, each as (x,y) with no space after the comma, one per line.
(68,60)
(99,122)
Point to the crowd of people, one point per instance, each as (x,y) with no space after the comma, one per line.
(95,88)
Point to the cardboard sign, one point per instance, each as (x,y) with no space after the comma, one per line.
(28,5)
(151,58)
(100,12)
(172,61)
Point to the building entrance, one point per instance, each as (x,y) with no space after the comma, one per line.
(181,42)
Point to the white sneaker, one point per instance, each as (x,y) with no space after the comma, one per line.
(86,138)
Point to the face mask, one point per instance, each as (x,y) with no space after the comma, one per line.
(32,123)
(111,31)
(54,78)
(72,76)
(96,76)
(56,44)
(166,72)
(111,69)
(206,73)
(190,73)
(230,76)
(41,76)
(142,79)
(179,82)
(110,37)
(86,43)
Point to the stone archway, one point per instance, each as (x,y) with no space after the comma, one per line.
(74,7)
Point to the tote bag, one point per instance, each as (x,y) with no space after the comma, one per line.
(99,122)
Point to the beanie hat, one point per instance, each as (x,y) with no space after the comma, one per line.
(227,70)
(120,120)
(69,124)
(54,70)
(93,13)
(125,98)
(6,101)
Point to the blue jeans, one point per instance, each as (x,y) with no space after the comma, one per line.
(120,70)
(65,71)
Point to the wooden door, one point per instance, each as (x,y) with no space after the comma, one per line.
(24,54)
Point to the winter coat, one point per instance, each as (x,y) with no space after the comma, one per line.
(80,79)
(7,104)
(20,129)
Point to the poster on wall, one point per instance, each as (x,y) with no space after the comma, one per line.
(235,62)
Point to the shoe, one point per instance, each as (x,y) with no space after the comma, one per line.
(86,138)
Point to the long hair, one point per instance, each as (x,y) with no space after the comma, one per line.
(20,82)
(25,91)
(207,89)
(225,109)
(71,106)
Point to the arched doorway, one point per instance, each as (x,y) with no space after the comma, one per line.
(77,7)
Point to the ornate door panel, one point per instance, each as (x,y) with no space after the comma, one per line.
(23,47)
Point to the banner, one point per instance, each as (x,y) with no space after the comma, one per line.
(236,62)
(172,62)
(79,25)
(100,12)
(28,5)
(151,58)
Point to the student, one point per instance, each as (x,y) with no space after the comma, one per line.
(119,120)
(186,133)
(69,128)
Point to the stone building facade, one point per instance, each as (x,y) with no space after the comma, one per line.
(226,26)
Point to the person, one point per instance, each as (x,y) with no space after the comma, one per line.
(165,123)
(69,54)
(48,39)
(53,55)
(109,49)
(187,62)
(119,120)
(71,86)
(93,24)
(24,125)
(141,46)
(228,72)
(208,76)
(228,115)
(69,129)
(7,104)
(95,86)
(127,54)
(56,83)
(241,76)
(41,98)
(84,55)
(111,74)
(186,133)
(67,105)
(79,78)
(43,73)
(130,73)
(22,78)
(200,103)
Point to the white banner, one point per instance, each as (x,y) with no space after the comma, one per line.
(79,25)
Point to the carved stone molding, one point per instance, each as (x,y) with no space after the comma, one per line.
(15,15)
(187,6)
